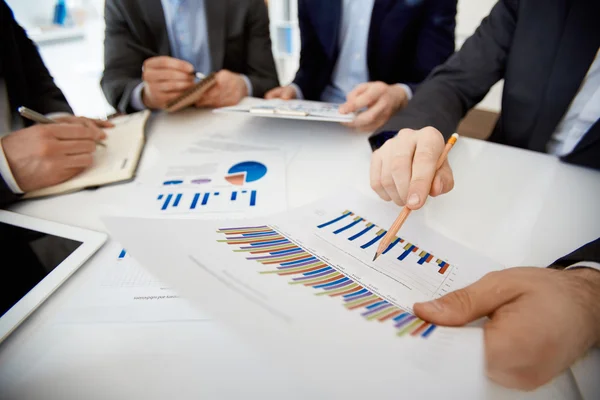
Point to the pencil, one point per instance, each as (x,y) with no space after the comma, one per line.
(42,119)
(150,53)
(391,233)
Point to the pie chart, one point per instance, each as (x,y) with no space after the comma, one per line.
(245,172)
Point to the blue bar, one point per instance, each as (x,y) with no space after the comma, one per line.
(160,196)
(233,196)
(287,264)
(333,221)
(359,234)
(280,241)
(122,254)
(422,260)
(217,193)
(373,241)
(380,303)
(244,191)
(401,317)
(317,271)
(167,201)
(253,198)
(284,252)
(345,279)
(443,264)
(205,199)
(406,253)
(177,200)
(195,201)
(348,226)
(428,331)
(391,246)
(362,291)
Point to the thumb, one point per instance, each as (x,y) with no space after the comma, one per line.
(469,304)
(443,181)
(273,93)
(287,94)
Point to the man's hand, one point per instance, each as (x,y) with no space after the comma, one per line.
(282,92)
(95,124)
(229,90)
(541,320)
(165,78)
(45,155)
(403,169)
(382,101)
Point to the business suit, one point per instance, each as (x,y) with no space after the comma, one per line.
(407,39)
(543,49)
(28,82)
(238,36)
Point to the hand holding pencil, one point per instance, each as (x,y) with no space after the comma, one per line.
(414,171)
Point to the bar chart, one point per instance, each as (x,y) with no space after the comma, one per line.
(404,261)
(190,201)
(278,255)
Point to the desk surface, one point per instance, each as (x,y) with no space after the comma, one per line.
(494,209)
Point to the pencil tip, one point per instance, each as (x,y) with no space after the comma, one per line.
(375,258)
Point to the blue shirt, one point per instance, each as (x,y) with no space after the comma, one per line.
(351,68)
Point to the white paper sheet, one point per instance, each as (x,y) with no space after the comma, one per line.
(320,305)
(120,290)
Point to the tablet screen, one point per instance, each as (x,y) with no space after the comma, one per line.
(27,256)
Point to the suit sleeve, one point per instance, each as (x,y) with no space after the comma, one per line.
(436,41)
(44,96)
(122,65)
(260,63)
(463,81)
(312,56)
(6,195)
(590,253)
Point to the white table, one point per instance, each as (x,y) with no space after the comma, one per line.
(515,206)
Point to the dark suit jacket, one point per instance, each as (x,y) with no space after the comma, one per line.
(28,82)
(543,49)
(407,39)
(238,33)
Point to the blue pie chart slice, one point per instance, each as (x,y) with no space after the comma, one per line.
(247,171)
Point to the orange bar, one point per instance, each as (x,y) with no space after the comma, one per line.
(429,258)
(414,250)
(335,278)
(443,270)
(367,303)
(283,273)
(389,316)
(420,329)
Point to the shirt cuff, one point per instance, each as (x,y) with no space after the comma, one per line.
(7,173)
(299,94)
(585,264)
(136,98)
(58,115)
(248,85)
(407,89)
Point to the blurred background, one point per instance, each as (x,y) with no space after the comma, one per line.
(73,51)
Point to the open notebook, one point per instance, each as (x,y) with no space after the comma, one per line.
(116,162)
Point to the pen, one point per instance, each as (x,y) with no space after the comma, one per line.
(42,119)
(150,53)
(391,233)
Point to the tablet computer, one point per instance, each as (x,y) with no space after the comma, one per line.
(37,256)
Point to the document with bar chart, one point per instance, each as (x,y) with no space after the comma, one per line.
(246,183)
(304,284)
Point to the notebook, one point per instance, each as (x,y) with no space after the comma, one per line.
(192,95)
(117,162)
(292,109)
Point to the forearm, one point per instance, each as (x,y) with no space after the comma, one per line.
(589,288)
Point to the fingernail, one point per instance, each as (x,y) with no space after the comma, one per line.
(413,200)
(434,306)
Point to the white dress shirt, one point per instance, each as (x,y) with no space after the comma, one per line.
(351,68)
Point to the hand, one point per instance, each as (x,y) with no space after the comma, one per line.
(382,100)
(282,92)
(94,124)
(542,320)
(229,90)
(45,155)
(403,169)
(165,78)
